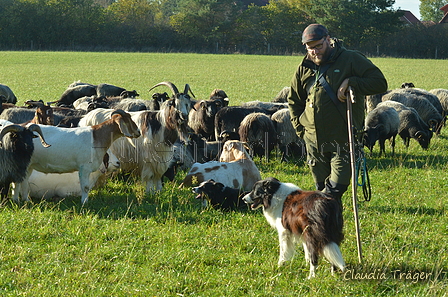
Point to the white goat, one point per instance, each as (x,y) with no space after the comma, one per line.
(61,185)
(152,153)
(77,149)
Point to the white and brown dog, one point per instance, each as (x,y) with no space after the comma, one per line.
(310,216)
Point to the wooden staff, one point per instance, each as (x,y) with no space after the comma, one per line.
(351,140)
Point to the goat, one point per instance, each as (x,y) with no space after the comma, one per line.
(16,149)
(71,94)
(235,169)
(91,144)
(61,185)
(201,118)
(43,115)
(111,90)
(221,96)
(152,153)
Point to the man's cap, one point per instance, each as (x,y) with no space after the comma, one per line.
(314,32)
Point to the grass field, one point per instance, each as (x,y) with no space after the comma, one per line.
(127,243)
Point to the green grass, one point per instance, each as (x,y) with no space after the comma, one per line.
(126,243)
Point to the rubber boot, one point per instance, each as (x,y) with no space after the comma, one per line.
(320,186)
(335,190)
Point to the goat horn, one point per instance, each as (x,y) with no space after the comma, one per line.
(9,128)
(36,128)
(35,103)
(118,111)
(169,85)
(187,88)
(52,102)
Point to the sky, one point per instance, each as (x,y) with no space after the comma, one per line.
(411,5)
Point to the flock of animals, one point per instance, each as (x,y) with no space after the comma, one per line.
(111,129)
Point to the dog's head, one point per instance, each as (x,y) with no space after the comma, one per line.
(208,189)
(262,193)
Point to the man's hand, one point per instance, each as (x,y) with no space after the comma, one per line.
(342,90)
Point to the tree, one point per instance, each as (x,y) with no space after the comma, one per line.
(356,21)
(430,10)
(273,28)
(136,19)
(203,23)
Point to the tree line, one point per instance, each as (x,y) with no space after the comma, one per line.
(212,26)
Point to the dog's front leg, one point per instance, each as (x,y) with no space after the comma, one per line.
(286,240)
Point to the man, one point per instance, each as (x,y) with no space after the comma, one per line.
(318,109)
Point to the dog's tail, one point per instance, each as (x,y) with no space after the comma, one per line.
(333,254)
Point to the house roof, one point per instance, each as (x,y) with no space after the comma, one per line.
(408,17)
(445,16)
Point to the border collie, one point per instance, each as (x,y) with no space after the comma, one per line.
(309,216)
(219,196)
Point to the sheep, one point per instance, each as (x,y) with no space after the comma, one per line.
(411,98)
(16,149)
(407,85)
(111,90)
(5,106)
(229,118)
(442,95)
(411,124)
(61,185)
(91,144)
(372,101)
(9,96)
(287,139)
(380,124)
(201,118)
(282,96)
(152,154)
(258,131)
(431,97)
(265,105)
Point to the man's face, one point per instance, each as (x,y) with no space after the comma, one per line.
(319,50)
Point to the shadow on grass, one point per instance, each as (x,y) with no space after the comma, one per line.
(125,198)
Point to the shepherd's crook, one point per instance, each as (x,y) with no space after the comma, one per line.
(351,140)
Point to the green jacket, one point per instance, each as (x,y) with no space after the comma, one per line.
(312,110)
